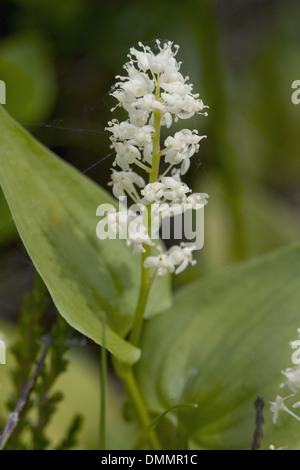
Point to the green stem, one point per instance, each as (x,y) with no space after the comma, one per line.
(156,149)
(146,282)
(156,141)
(126,375)
(142,302)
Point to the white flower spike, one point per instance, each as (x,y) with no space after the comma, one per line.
(154,93)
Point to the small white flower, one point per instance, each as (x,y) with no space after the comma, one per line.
(182,147)
(293,378)
(177,87)
(184,107)
(123,131)
(138,117)
(162,63)
(174,190)
(124,181)
(126,154)
(181,256)
(152,192)
(135,135)
(148,152)
(194,200)
(139,85)
(143,135)
(166,120)
(137,237)
(278,405)
(162,263)
(150,103)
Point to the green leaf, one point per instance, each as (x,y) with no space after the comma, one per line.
(8,232)
(54,208)
(224,342)
(27,69)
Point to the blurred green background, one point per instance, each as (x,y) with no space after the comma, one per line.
(59,59)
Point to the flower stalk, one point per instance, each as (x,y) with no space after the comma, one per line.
(125,373)
(145,287)
(146,282)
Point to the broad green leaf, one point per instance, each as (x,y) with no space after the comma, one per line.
(224,342)
(27,69)
(54,208)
